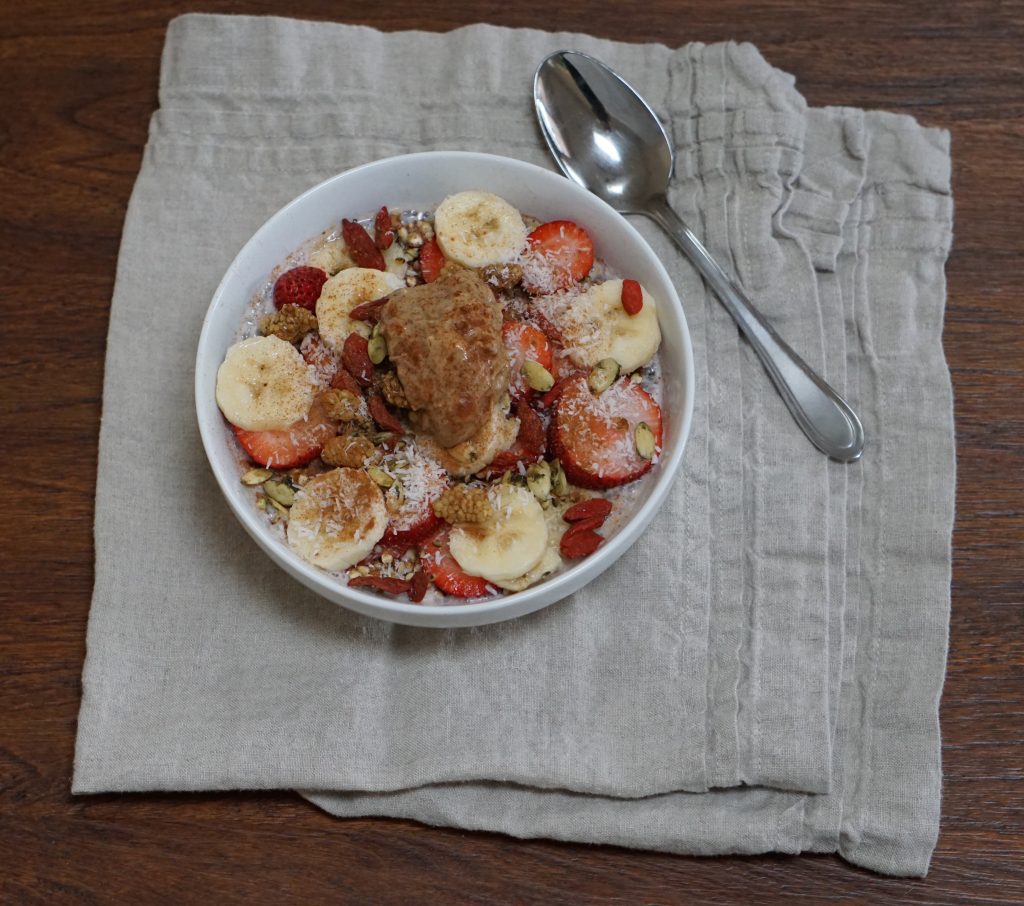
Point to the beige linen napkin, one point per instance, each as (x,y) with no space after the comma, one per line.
(782,623)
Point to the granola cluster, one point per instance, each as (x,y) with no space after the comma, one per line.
(291,323)
(391,389)
(464,504)
(343,405)
(348,450)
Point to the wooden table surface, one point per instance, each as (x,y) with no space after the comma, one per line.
(78,83)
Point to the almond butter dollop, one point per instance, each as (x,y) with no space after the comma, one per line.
(444,339)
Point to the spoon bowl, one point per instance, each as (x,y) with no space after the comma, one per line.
(606,138)
(589,119)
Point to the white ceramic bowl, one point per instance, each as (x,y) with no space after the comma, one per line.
(420,181)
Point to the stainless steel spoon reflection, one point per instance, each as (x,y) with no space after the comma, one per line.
(607,139)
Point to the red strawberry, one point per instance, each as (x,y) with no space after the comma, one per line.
(414,518)
(325,362)
(588,509)
(547,325)
(551,397)
(575,545)
(387,584)
(560,254)
(360,245)
(594,436)
(293,446)
(528,447)
(524,343)
(632,297)
(431,261)
(299,286)
(355,357)
(447,575)
(383,234)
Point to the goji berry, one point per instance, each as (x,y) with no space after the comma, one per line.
(585,525)
(356,359)
(360,245)
(575,545)
(383,234)
(632,297)
(368,311)
(420,584)
(587,509)
(388,585)
(384,417)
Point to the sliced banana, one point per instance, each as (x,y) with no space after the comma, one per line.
(264,384)
(595,327)
(331,256)
(478,228)
(337,518)
(343,292)
(497,433)
(547,565)
(510,546)
(551,560)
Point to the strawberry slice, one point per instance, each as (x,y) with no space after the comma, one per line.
(412,515)
(524,343)
(292,446)
(594,436)
(560,253)
(447,575)
(325,363)
(432,260)
(299,286)
(528,447)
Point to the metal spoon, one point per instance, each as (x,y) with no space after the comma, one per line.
(605,137)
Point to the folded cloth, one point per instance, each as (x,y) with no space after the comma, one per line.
(783,622)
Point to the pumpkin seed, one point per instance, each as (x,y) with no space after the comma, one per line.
(538,480)
(377,349)
(603,375)
(397,492)
(380,477)
(283,510)
(256,476)
(559,483)
(643,438)
(537,376)
(280,492)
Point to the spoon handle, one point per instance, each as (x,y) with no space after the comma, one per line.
(830,424)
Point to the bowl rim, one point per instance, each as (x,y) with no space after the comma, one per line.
(552,589)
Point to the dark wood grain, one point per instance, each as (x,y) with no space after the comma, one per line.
(77,86)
